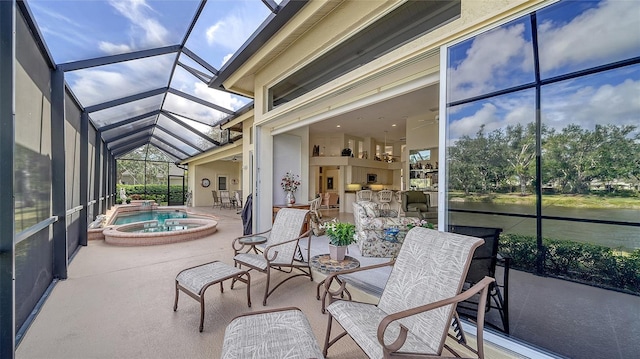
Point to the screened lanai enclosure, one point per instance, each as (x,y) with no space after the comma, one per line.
(92,84)
(506,97)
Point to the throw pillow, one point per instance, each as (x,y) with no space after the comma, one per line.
(371,208)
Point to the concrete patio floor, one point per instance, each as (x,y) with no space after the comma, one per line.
(118,302)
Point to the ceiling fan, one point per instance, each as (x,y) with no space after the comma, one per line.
(426,122)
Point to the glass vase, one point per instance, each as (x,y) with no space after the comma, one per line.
(290,199)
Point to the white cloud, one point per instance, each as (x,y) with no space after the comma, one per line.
(597,36)
(185,82)
(607,104)
(602,34)
(112,48)
(234,29)
(562,104)
(490,61)
(212,30)
(226,58)
(469,125)
(145,31)
(189,109)
(97,85)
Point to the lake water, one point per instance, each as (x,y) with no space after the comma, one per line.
(141,216)
(613,236)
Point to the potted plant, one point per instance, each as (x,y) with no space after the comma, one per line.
(423,223)
(341,234)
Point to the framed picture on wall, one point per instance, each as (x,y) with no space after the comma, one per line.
(329,182)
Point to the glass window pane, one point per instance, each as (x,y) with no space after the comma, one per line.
(574,36)
(100,84)
(168,150)
(186,60)
(194,110)
(222,183)
(125,111)
(186,82)
(175,142)
(193,138)
(474,69)
(591,152)
(221,30)
(129,139)
(156,154)
(77,30)
(491,150)
(128,128)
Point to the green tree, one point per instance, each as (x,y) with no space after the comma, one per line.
(617,154)
(521,153)
(478,164)
(463,173)
(570,159)
(148,157)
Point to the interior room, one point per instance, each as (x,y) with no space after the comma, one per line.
(380,139)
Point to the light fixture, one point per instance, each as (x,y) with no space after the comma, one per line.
(337,125)
(394,125)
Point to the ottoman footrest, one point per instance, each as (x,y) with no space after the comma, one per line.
(272,334)
(194,282)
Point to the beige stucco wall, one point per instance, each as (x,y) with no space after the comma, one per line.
(344,21)
(202,195)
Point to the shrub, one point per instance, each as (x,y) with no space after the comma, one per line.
(154,192)
(582,262)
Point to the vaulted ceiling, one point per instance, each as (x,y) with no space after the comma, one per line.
(142,69)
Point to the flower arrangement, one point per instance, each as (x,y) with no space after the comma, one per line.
(341,233)
(423,223)
(290,182)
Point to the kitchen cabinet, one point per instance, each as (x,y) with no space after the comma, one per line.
(356,174)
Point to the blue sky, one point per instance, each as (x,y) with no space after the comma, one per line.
(573,35)
(77,30)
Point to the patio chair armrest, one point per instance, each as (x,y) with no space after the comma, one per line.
(331,277)
(482,285)
(267,249)
(236,242)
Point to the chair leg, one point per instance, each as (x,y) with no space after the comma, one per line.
(201,312)
(328,343)
(327,336)
(248,290)
(266,288)
(502,309)
(175,303)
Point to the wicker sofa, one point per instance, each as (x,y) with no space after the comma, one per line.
(375,229)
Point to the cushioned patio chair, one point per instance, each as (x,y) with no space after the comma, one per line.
(416,204)
(225,199)
(484,262)
(282,251)
(418,303)
(316,219)
(216,199)
(330,200)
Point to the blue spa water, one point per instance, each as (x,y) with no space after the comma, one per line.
(160,216)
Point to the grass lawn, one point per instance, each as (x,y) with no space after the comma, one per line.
(559,200)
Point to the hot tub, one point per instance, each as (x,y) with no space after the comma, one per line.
(165,226)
